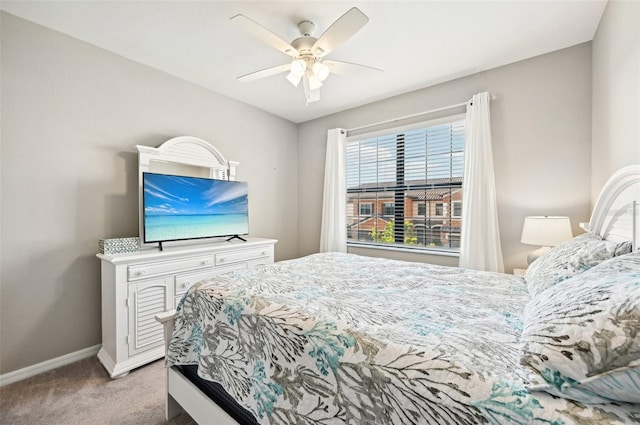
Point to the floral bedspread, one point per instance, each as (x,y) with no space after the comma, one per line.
(343,339)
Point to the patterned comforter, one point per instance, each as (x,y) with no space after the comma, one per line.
(342,339)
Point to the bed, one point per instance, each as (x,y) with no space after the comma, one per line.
(336,338)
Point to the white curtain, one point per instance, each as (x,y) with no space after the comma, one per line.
(480,237)
(333,231)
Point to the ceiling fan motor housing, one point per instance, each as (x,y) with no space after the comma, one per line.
(303,45)
(306,28)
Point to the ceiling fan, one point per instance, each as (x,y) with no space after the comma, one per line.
(307,52)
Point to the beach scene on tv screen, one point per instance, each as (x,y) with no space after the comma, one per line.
(178,207)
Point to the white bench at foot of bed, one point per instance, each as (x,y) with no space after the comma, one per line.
(183,395)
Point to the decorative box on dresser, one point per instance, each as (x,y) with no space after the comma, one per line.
(136,286)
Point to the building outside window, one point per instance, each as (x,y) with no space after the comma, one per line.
(407,183)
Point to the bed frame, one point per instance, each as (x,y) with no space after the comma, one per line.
(183,395)
(617,209)
(614,217)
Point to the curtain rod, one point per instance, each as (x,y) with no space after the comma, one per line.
(406,117)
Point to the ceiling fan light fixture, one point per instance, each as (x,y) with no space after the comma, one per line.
(321,71)
(314,82)
(306,52)
(293,79)
(297,68)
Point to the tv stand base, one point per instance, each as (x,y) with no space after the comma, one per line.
(236,237)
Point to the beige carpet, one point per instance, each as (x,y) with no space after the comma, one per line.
(83,393)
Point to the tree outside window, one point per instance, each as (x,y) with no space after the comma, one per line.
(387,235)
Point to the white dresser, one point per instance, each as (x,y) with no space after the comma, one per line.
(137,286)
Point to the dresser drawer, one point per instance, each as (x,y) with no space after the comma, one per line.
(244,255)
(184,281)
(143,271)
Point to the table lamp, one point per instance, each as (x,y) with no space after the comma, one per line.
(546,231)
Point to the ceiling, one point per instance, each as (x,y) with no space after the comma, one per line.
(416,43)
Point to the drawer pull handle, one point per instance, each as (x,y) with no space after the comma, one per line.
(222,260)
(142,272)
(186,284)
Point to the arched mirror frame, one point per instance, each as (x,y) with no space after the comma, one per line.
(184,156)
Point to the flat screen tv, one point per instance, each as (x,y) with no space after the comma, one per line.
(181,208)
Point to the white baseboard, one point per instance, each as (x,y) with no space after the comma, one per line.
(36,369)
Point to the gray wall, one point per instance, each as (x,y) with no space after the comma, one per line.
(73,113)
(541,128)
(616,92)
(71,117)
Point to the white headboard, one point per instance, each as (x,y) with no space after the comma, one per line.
(183,156)
(616,214)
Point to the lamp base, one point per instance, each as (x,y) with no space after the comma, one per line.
(533,255)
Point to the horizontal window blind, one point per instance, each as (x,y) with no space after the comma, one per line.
(411,182)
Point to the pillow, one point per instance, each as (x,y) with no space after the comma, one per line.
(570,258)
(581,339)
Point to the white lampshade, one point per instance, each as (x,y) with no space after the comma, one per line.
(545,231)
(297,67)
(294,79)
(321,71)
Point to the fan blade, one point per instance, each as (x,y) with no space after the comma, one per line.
(344,68)
(314,96)
(341,30)
(263,34)
(264,73)
(310,95)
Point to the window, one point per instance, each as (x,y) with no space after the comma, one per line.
(387,208)
(412,174)
(457,209)
(366,209)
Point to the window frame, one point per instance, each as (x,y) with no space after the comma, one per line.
(453,209)
(451,252)
(386,205)
(363,204)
